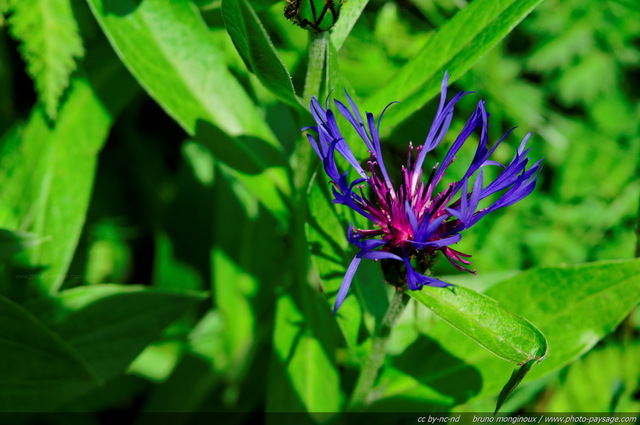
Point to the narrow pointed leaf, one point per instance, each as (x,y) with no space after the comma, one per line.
(518,374)
(349,14)
(257,50)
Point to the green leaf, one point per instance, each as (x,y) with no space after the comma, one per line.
(109,325)
(236,311)
(303,376)
(517,377)
(454,47)
(350,11)
(38,371)
(573,306)
(47,178)
(613,369)
(479,317)
(49,43)
(13,242)
(257,50)
(169,49)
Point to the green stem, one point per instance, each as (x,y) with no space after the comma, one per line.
(638,232)
(370,371)
(303,155)
(315,70)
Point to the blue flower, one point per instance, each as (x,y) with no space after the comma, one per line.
(412,220)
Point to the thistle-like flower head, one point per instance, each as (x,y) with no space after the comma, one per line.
(411,219)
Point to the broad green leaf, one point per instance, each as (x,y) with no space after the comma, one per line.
(168,48)
(246,262)
(257,50)
(109,325)
(479,317)
(604,380)
(454,47)
(573,306)
(349,14)
(303,376)
(13,242)
(47,178)
(50,42)
(38,370)
(236,312)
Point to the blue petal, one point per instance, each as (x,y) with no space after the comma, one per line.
(416,281)
(346,282)
(381,255)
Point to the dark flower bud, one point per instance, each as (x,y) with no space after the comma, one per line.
(319,15)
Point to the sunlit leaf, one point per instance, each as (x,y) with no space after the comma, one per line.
(50,42)
(484,321)
(47,183)
(573,306)
(349,14)
(454,47)
(169,50)
(257,50)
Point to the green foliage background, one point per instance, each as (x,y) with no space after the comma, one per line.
(167,242)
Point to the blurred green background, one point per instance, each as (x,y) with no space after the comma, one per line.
(153,188)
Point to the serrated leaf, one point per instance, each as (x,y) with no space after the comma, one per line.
(479,317)
(38,370)
(50,42)
(454,47)
(257,50)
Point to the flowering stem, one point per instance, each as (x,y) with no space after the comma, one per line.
(370,371)
(315,70)
(303,152)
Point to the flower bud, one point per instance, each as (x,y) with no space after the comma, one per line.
(319,15)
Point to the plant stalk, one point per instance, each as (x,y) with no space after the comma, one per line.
(372,367)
